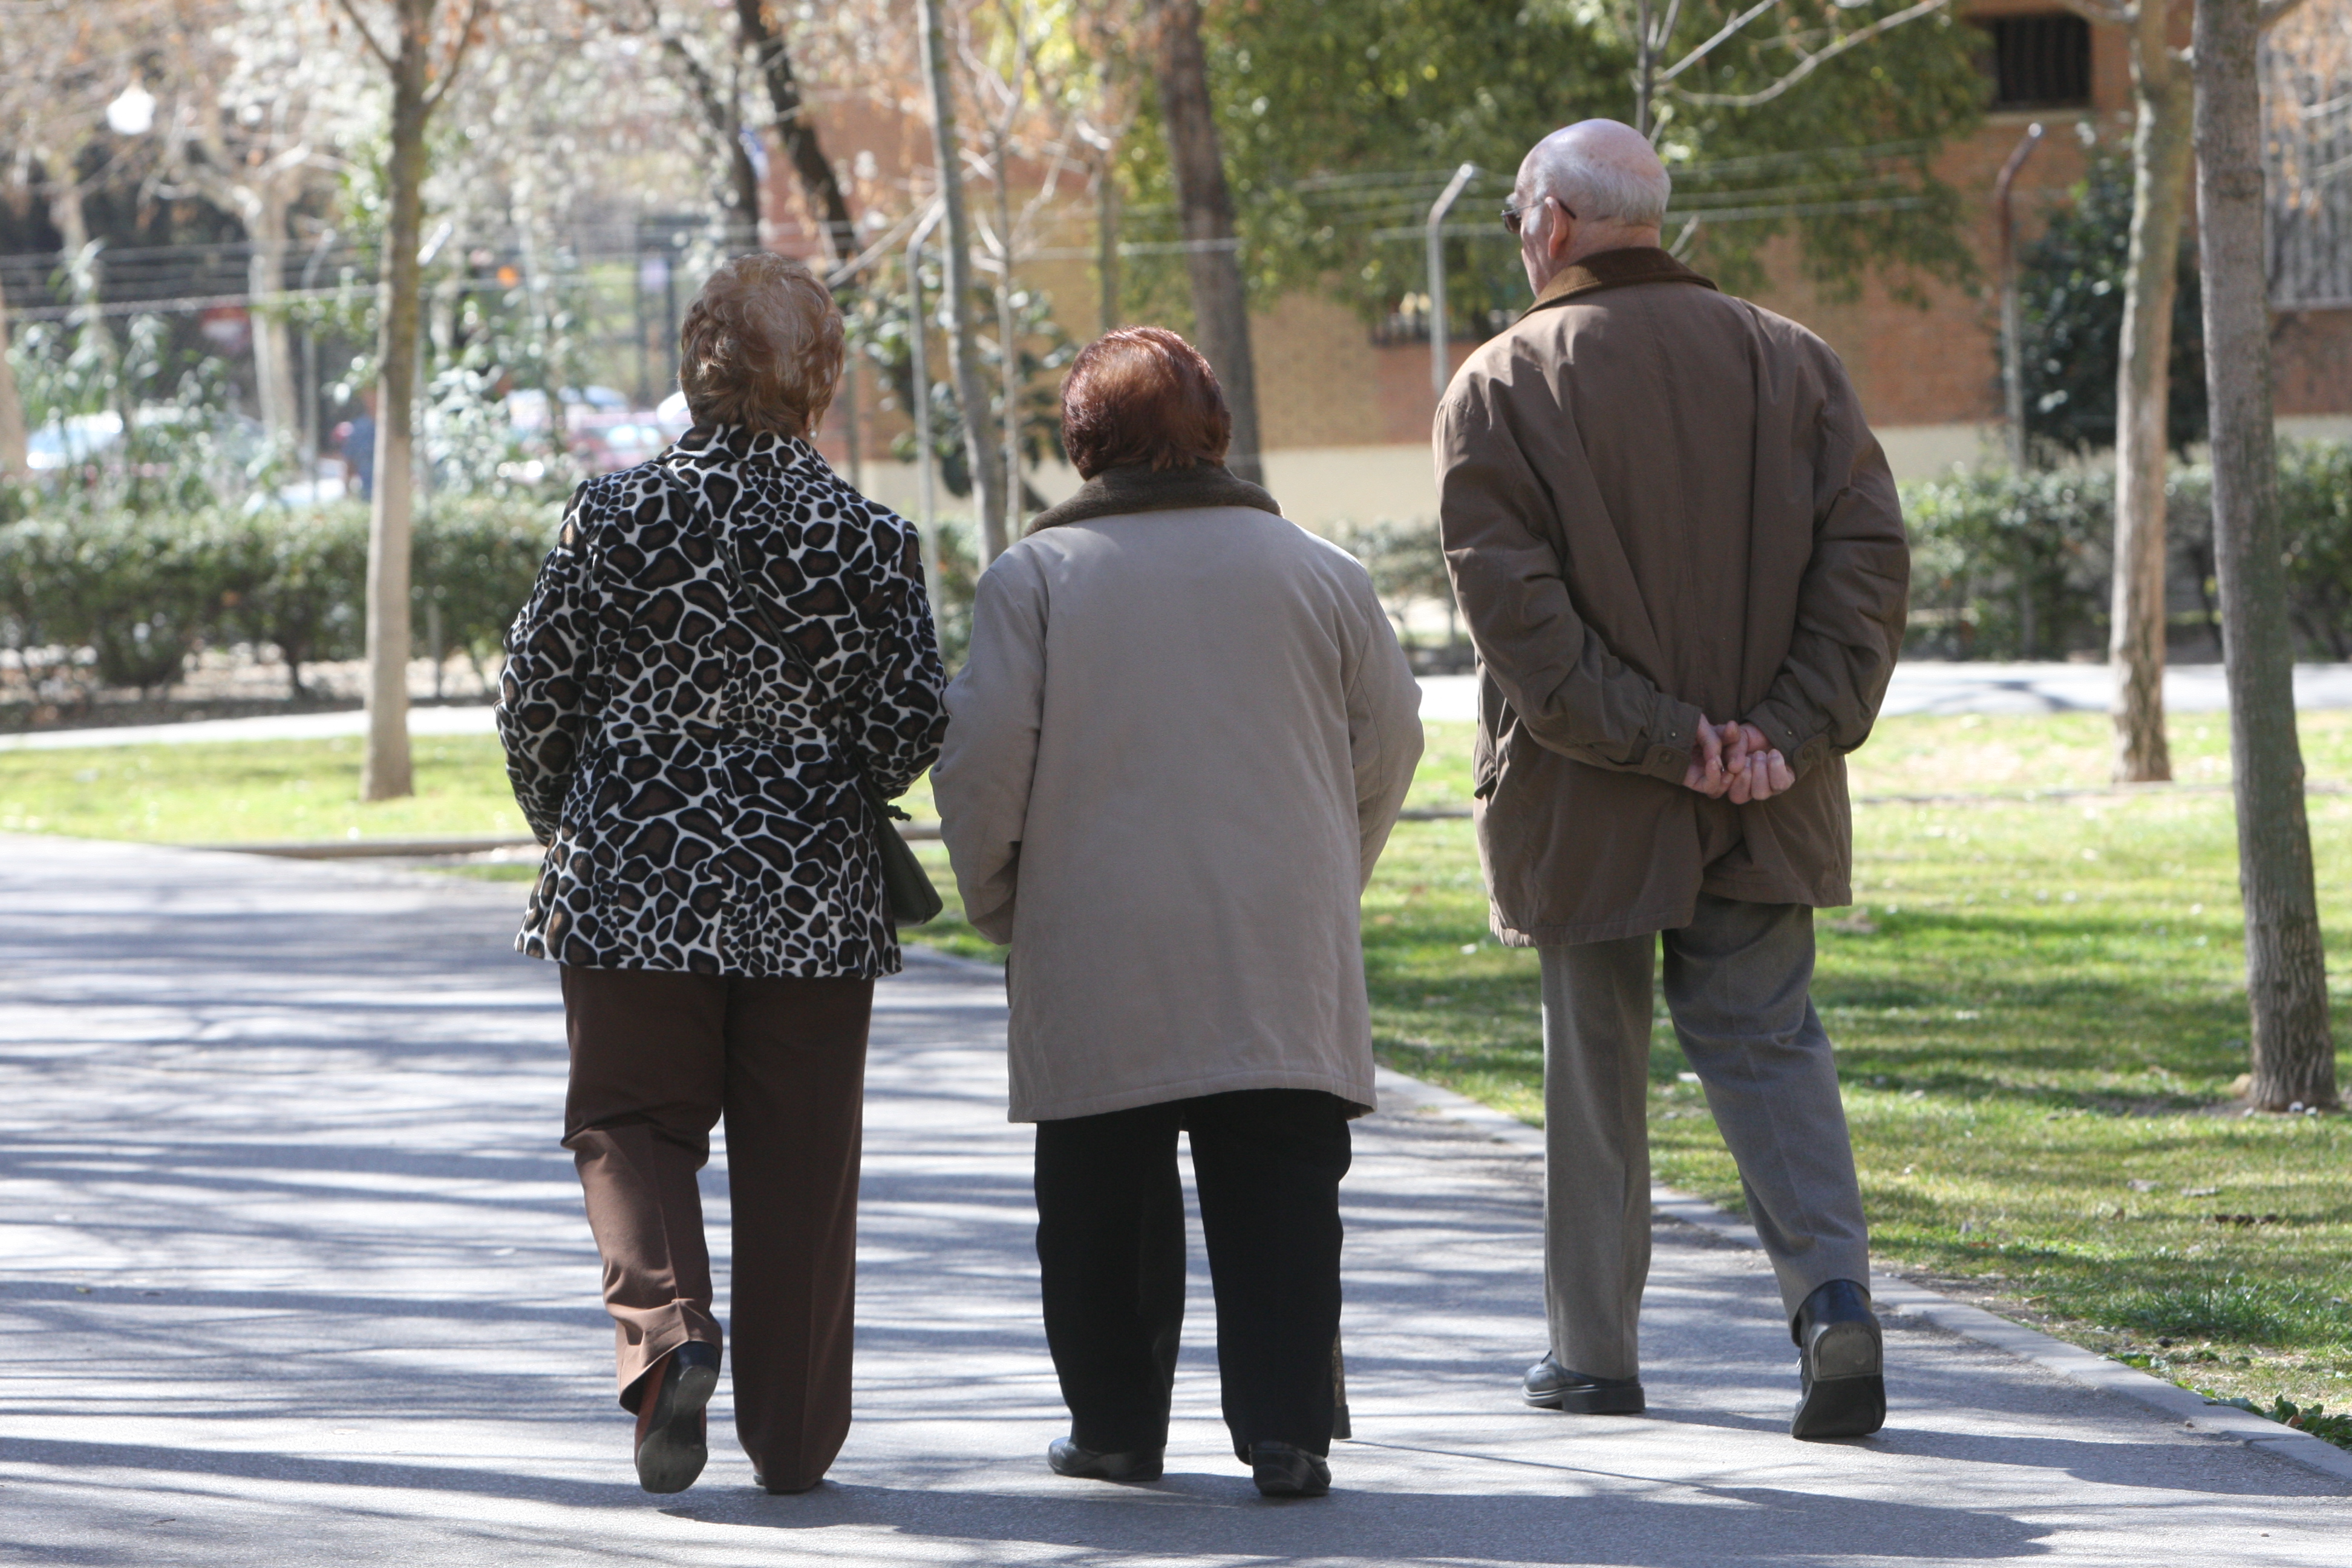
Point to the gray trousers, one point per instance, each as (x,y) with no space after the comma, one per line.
(1736,985)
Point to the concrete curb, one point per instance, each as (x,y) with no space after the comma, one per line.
(1399,1092)
(439,848)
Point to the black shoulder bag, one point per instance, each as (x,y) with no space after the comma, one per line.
(907,888)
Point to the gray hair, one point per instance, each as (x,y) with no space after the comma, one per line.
(1591,189)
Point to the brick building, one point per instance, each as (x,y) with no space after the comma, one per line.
(1345,410)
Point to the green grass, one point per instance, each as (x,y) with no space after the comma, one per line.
(2039,1008)
(252,792)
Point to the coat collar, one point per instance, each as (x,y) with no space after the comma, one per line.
(1139,486)
(1615,270)
(708,444)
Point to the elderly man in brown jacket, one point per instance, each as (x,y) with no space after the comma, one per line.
(1682,563)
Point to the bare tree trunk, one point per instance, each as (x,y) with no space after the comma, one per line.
(71,220)
(386,771)
(12,458)
(273,342)
(740,188)
(1211,254)
(2286,978)
(2160,159)
(819,184)
(1107,242)
(986,462)
(1008,354)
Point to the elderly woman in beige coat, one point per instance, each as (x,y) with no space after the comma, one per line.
(1182,735)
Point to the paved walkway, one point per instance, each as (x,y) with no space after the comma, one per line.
(1920,687)
(293,1273)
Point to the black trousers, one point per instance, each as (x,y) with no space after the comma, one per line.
(1110,1244)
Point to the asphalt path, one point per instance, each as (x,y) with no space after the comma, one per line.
(293,1272)
(1921,686)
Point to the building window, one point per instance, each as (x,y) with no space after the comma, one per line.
(2040,62)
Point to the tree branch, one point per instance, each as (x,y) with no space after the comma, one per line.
(457,57)
(351,10)
(2273,11)
(1707,47)
(1813,61)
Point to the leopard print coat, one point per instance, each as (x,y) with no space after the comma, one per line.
(690,781)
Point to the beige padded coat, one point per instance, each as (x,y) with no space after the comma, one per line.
(1171,760)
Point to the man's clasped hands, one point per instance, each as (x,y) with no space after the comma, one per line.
(1735,760)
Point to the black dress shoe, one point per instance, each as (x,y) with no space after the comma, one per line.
(1841,1357)
(1281,1470)
(672,1442)
(1067,1458)
(1551,1387)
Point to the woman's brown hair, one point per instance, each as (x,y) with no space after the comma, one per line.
(760,347)
(1142,394)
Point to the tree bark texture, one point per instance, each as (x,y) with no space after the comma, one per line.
(1211,254)
(740,185)
(385,773)
(12,406)
(986,460)
(70,218)
(2286,979)
(273,339)
(1008,356)
(819,186)
(2160,158)
(1106,242)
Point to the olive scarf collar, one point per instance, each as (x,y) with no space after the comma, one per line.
(1139,486)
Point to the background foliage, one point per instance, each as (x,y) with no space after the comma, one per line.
(2071,303)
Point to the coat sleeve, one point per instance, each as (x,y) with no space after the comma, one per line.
(544,689)
(1383,728)
(1571,690)
(995,710)
(895,717)
(1853,600)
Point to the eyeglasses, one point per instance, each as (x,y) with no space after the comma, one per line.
(1514,217)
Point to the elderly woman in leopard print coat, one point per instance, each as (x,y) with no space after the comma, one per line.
(722,641)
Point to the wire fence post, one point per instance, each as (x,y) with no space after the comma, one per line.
(1438,367)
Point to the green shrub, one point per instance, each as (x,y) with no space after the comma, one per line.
(135,589)
(2019,565)
(141,592)
(476,558)
(293,579)
(2315,510)
(2007,565)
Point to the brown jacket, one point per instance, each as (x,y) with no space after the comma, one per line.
(1660,502)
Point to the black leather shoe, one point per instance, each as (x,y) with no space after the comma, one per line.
(1841,1357)
(1136,1465)
(1551,1387)
(1282,1470)
(673,1444)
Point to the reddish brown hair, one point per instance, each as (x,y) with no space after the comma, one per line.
(1142,394)
(760,347)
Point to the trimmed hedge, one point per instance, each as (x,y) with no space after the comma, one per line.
(2009,565)
(144,592)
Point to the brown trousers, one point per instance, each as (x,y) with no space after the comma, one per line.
(656,1059)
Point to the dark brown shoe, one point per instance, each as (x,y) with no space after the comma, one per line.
(673,1441)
